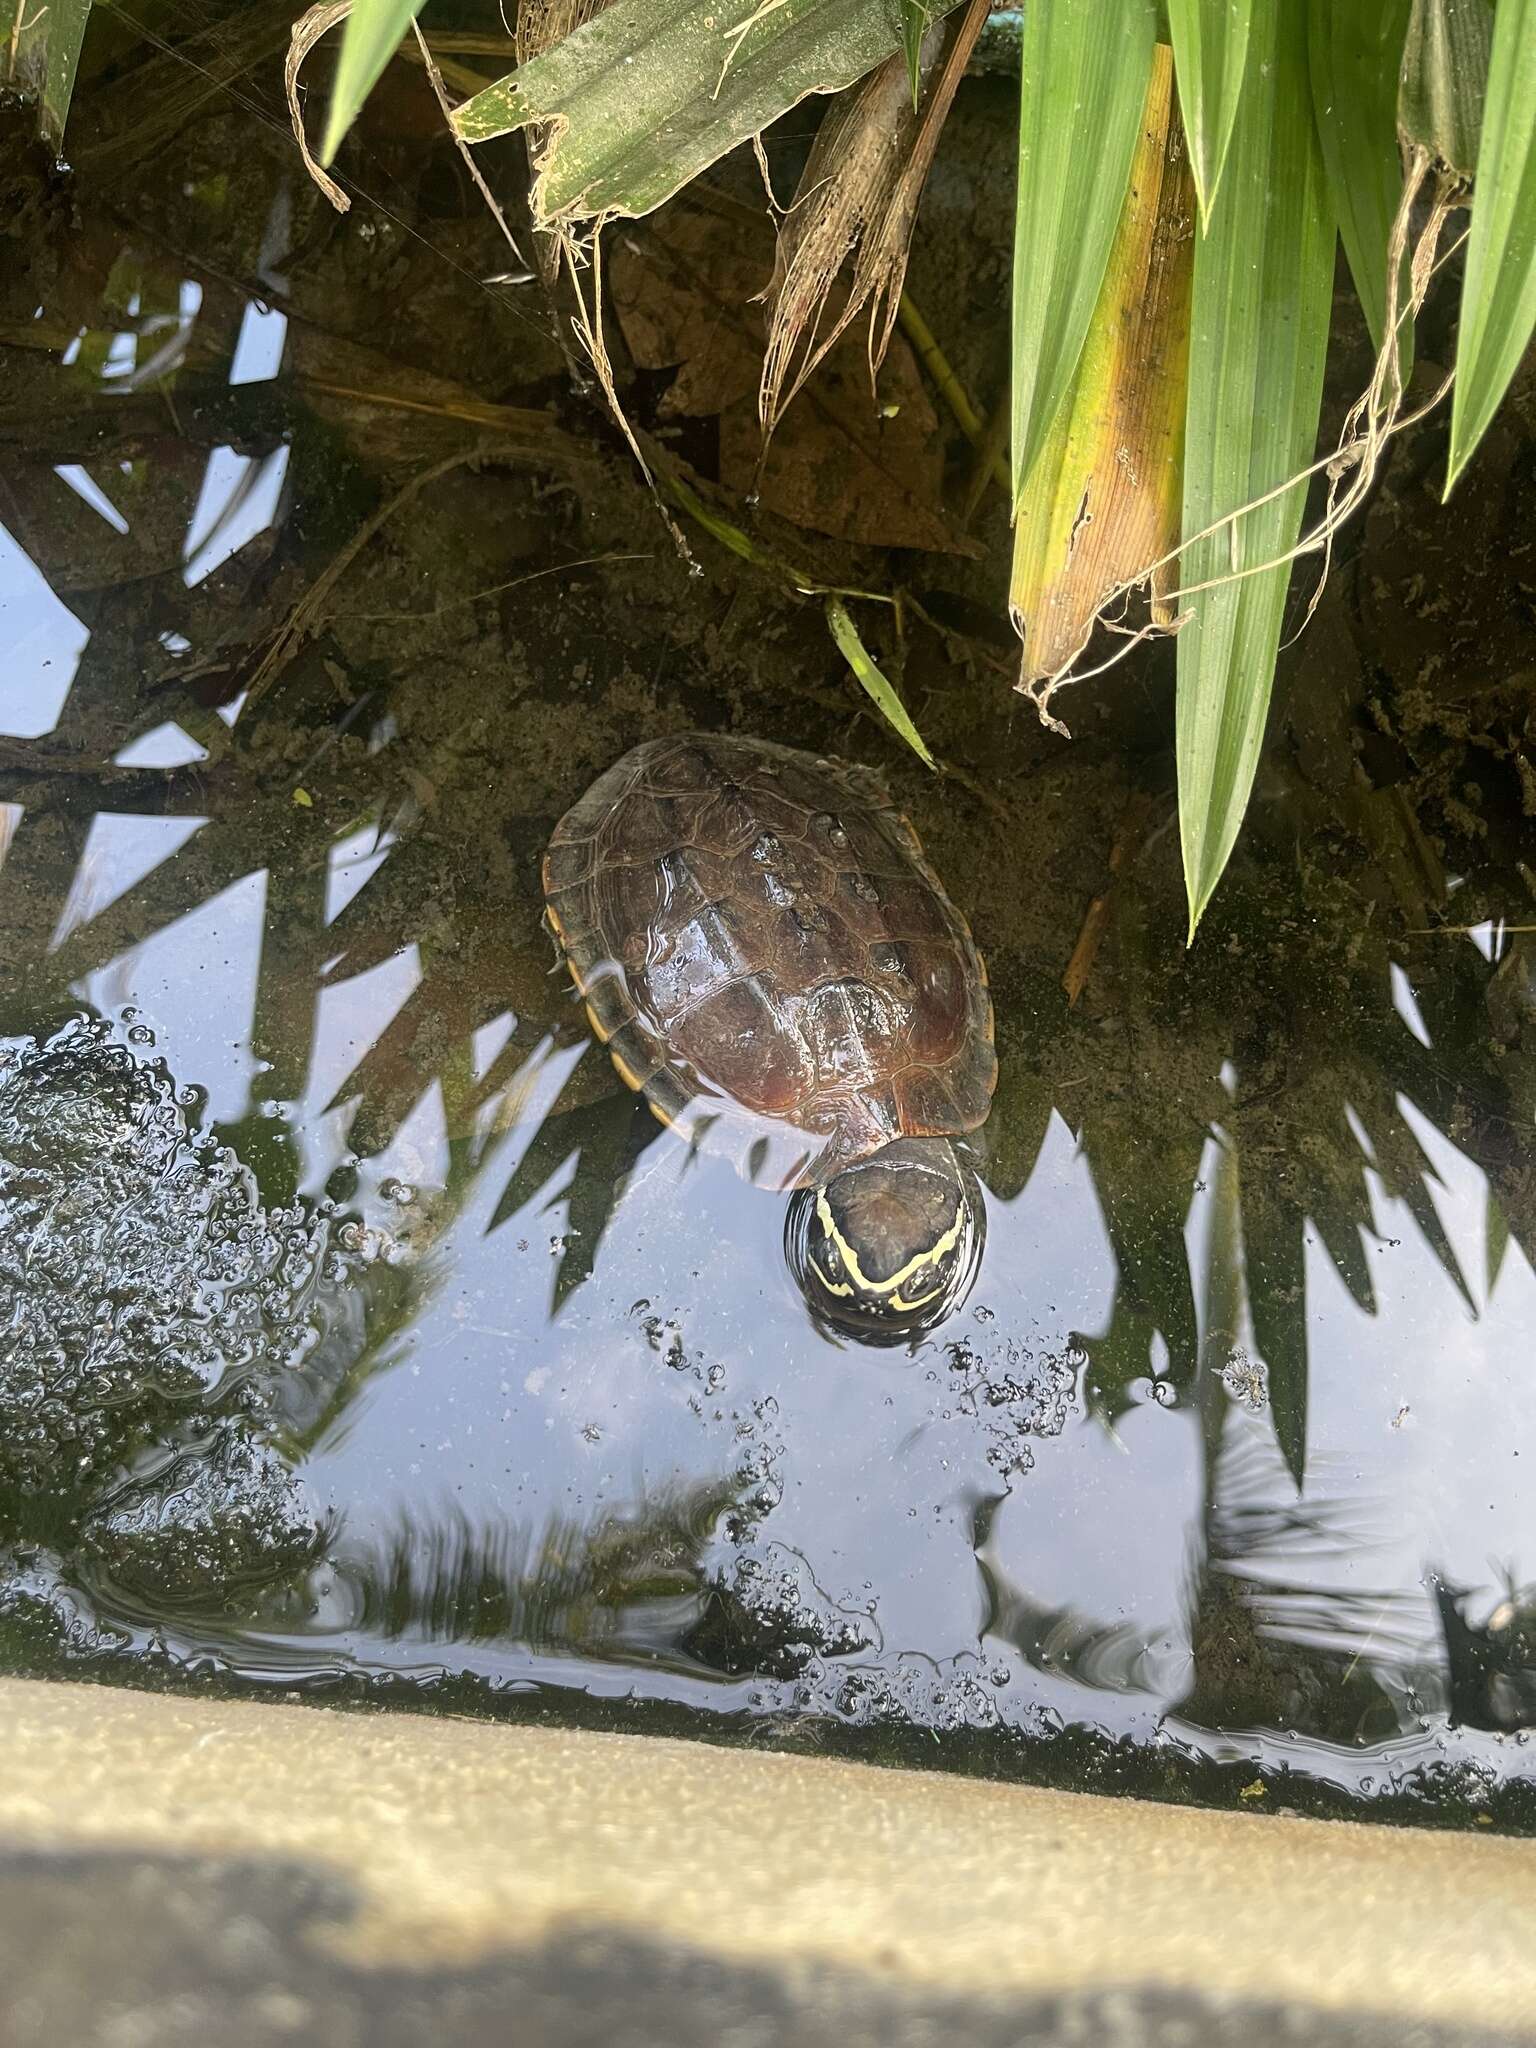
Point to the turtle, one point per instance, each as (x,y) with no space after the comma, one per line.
(770,960)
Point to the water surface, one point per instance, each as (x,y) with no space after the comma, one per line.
(362,1326)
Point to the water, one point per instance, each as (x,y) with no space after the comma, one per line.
(365,1335)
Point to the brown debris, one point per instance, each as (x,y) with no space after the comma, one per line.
(859,196)
(307,31)
(1131,832)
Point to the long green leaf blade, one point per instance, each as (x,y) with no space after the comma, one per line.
(1495,1240)
(1258,335)
(1083,83)
(44,56)
(1445,79)
(1355,54)
(369,40)
(914,26)
(650,93)
(1210,50)
(859,659)
(1498,293)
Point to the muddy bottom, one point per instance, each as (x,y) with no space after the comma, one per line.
(365,1335)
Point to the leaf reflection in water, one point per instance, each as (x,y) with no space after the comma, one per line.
(327,895)
(626,1580)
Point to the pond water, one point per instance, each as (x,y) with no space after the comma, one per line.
(366,1336)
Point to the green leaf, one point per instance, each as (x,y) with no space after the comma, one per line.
(1355,54)
(1258,334)
(1498,292)
(1083,84)
(1210,46)
(1496,1242)
(1445,73)
(650,93)
(369,40)
(857,656)
(914,26)
(43,57)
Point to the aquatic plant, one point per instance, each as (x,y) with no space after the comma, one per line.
(1171,309)
(1281,128)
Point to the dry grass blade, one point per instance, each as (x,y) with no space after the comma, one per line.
(1103,499)
(439,93)
(1375,418)
(312,604)
(859,196)
(307,31)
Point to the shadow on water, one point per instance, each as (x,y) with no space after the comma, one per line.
(359,1321)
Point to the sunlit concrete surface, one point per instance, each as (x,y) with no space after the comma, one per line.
(177,1869)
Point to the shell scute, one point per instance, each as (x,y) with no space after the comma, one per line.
(759,936)
(742,1018)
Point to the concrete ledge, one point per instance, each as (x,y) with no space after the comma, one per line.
(395,1864)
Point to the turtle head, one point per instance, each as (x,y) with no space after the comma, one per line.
(890,1245)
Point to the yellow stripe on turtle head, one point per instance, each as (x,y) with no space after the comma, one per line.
(889,1289)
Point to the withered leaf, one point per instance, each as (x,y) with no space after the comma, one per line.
(858,197)
(1101,502)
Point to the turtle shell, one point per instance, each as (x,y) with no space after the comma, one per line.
(765,951)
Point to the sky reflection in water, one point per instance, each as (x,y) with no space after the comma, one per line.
(589,1329)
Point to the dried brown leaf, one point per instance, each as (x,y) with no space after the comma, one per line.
(859,197)
(307,31)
